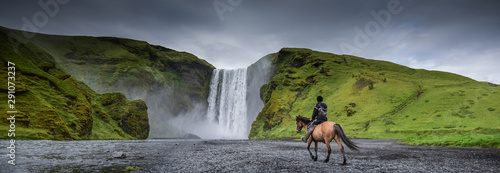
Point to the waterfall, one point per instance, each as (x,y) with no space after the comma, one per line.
(233,103)
(227,102)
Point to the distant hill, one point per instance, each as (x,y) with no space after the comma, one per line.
(52,104)
(378,99)
(67,73)
(169,81)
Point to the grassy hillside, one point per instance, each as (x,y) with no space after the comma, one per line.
(52,104)
(378,99)
(170,82)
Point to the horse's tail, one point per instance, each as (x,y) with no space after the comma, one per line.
(340,131)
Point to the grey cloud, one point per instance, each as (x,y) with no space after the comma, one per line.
(426,34)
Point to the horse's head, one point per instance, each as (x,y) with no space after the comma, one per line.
(301,122)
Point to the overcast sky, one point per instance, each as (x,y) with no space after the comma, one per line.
(462,37)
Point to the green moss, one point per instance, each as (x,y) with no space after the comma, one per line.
(480,140)
(132,168)
(135,120)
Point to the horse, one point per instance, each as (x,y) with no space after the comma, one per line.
(325,132)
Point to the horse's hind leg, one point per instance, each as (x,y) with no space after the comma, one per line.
(329,151)
(316,150)
(339,142)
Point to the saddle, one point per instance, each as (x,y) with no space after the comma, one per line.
(312,125)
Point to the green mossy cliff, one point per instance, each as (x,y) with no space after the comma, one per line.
(170,82)
(378,99)
(52,104)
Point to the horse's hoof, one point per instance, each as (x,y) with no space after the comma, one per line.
(316,159)
(326,161)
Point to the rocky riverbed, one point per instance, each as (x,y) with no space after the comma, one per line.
(176,155)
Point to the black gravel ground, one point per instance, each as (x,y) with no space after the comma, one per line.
(242,156)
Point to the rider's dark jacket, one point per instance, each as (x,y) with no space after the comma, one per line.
(319,113)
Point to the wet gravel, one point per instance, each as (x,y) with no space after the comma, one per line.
(171,155)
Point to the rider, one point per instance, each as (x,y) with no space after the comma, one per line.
(318,117)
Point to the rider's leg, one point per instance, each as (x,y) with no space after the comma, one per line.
(309,131)
(306,137)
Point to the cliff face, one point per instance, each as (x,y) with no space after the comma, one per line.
(170,82)
(52,104)
(376,99)
(258,74)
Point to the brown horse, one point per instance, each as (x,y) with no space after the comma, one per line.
(325,132)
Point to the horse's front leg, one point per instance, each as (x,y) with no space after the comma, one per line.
(316,150)
(308,148)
